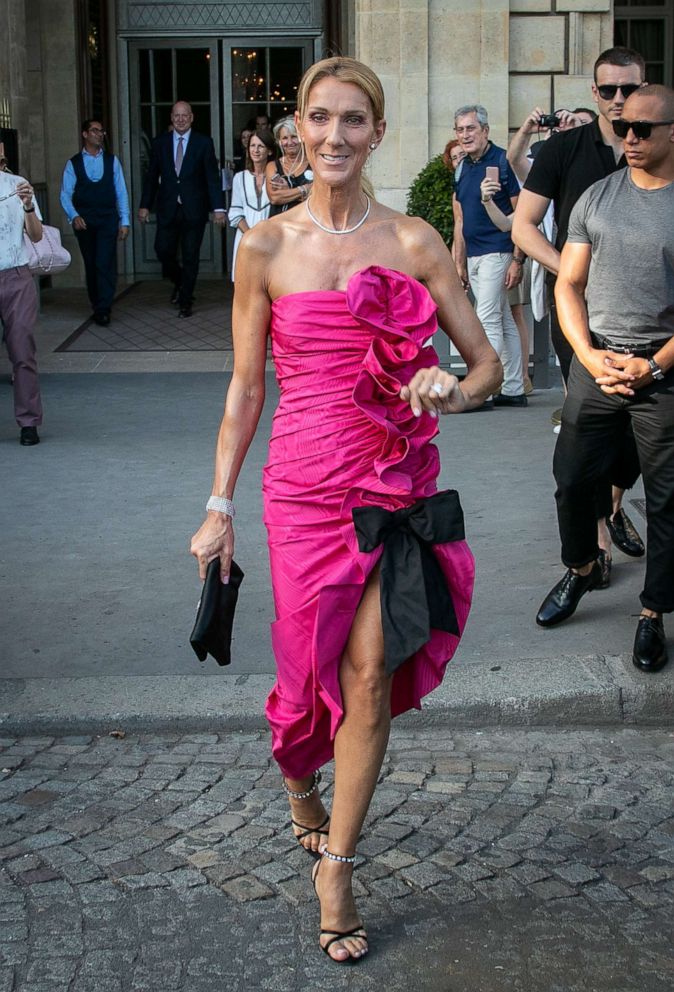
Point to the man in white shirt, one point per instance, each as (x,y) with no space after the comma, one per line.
(18,299)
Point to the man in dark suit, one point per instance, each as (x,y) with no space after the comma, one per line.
(184,178)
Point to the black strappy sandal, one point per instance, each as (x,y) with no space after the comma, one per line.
(307,831)
(337,935)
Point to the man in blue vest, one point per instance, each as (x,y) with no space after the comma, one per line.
(96,203)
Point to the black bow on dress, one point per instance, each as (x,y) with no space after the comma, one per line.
(414,593)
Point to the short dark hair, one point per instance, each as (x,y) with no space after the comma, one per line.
(663,93)
(620,56)
(89,121)
(586,110)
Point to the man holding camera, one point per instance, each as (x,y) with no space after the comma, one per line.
(565,166)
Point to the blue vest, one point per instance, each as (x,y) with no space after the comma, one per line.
(95,201)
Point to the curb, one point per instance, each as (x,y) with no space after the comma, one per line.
(573,691)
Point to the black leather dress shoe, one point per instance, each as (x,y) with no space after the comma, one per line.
(519,400)
(29,436)
(562,600)
(650,650)
(624,534)
(102,319)
(185,311)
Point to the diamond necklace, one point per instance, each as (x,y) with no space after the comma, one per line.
(347,230)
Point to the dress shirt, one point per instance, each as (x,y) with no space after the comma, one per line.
(93,166)
(176,138)
(186,138)
(12,220)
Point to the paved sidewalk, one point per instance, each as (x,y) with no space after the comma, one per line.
(517,861)
(99,591)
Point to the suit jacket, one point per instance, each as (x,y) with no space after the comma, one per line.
(198,185)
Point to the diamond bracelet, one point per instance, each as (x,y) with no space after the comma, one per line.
(221,504)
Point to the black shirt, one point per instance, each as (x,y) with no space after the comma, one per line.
(566,165)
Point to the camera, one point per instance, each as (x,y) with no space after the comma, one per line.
(548,120)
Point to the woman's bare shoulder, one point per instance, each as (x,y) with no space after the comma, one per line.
(413,232)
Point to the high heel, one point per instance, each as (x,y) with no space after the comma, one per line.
(338,935)
(306,830)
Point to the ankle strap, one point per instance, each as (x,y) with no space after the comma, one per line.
(303,795)
(338,857)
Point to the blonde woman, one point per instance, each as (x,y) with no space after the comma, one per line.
(350,293)
(289,176)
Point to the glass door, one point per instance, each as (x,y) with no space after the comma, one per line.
(260,81)
(162,72)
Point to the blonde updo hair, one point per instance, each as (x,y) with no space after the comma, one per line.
(346,70)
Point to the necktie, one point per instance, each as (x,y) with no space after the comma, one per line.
(179,156)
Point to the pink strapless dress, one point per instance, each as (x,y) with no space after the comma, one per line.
(342,438)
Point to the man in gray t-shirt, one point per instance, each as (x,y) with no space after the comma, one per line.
(615,300)
(631,269)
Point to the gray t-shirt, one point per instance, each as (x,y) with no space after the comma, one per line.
(631,278)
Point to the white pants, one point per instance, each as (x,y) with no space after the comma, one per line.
(487,280)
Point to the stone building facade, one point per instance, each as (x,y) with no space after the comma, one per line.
(127,60)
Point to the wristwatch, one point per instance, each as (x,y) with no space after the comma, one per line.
(656,371)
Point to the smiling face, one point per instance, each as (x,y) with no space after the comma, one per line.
(94,138)
(257,150)
(456,155)
(181,117)
(472,136)
(289,142)
(611,108)
(653,152)
(338,128)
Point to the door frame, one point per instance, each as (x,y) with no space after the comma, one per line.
(144,262)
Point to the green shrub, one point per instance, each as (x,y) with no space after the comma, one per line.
(430,197)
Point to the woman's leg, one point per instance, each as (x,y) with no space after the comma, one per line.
(360,746)
(309,816)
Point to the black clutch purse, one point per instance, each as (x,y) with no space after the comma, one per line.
(212,633)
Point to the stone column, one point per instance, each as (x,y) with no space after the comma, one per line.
(392,38)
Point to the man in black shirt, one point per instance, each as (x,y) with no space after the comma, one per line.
(565,166)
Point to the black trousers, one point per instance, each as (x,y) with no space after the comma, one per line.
(593,431)
(98,244)
(626,469)
(184,236)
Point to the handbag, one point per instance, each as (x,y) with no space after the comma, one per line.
(46,257)
(212,632)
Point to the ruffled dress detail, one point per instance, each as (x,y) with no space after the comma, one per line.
(343,438)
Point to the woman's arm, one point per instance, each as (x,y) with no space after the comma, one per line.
(279,192)
(245,397)
(457,319)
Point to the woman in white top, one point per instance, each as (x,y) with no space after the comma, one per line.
(250,202)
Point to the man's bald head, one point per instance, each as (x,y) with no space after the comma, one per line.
(659,98)
(181,117)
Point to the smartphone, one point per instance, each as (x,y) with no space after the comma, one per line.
(491,172)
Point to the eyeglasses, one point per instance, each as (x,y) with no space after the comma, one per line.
(627,89)
(96,130)
(640,129)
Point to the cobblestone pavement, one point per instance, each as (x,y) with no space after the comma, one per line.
(540,861)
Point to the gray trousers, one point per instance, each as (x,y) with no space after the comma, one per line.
(18,312)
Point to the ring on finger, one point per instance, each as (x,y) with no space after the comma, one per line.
(437,388)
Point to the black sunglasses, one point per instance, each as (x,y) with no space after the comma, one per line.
(627,89)
(640,129)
